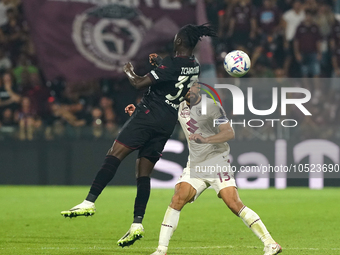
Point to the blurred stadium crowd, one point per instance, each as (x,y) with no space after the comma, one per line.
(284,38)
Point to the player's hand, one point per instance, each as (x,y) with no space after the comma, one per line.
(154,59)
(198,138)
(128,67)
(130,109)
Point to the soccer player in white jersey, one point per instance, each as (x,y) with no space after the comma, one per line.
(208,147)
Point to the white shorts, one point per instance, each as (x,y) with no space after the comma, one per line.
(218,179)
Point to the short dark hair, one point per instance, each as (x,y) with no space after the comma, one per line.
(191,34)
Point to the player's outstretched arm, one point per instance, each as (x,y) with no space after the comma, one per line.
(138,82)
(226,133)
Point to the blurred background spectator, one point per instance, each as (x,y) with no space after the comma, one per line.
(307,46)
(285,39)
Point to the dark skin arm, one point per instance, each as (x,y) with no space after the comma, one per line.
(139,82)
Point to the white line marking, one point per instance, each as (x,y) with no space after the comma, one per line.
(173,248)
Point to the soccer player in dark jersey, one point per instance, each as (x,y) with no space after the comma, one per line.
(151,124)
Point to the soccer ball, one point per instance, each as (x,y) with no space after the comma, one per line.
(237,63)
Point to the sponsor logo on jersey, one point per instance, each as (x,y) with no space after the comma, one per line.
(192,125)
(185,113)
(175,106)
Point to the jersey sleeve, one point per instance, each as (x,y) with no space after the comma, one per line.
(218,114)
(164,72)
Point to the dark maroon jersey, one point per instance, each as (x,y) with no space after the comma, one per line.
(308,37)
(268,19)
(171,81)
(242,16)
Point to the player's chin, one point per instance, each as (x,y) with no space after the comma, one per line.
(193,98)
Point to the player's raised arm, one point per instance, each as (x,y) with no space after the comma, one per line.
(226,133)
(137,81)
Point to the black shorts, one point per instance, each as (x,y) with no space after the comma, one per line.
(147,130)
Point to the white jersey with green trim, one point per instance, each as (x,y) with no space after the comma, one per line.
(193,122)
